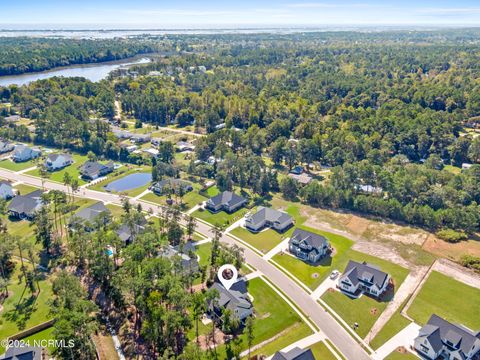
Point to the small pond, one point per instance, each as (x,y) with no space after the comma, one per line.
(129,182)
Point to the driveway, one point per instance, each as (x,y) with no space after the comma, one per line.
(404,338)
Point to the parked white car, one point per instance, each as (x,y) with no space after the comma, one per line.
(334,274)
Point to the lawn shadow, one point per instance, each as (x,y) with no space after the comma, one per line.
(22,311)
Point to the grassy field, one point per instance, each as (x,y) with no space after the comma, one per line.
(274,317)
(73,170)
(321,352)
(394,325)
(13,166)
(22,310)
(448,298)
(221,218)
(24,189)
(310,275)
(364,310)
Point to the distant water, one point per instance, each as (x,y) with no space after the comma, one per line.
(93,72)
(129,182)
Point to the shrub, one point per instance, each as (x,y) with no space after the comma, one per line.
(452,236)
(471,262)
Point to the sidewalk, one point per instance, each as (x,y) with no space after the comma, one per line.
(404,338)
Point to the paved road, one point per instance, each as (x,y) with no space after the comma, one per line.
(325,322)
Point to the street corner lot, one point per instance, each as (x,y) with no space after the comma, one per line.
(263,241)
(453,300)
(276,323)
(322,352)
(16,166)
(364,310)
(312,275)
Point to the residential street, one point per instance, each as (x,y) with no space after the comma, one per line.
(313,310)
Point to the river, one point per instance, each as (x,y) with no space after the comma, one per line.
(93,72)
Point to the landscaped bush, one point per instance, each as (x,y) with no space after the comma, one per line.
(471,262)
(452,236)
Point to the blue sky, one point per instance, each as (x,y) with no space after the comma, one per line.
(165,14)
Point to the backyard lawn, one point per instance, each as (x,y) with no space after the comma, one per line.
(311,275)
(364,310)
(448,298)
(221,218)
(273,317)
(320,351)
(43,335)
(21,310)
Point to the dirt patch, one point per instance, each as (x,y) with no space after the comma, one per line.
(315,276)
(358,225)
(373,311)
(207,341)
(381,251)
(451,251)
(105,347)
(265,316)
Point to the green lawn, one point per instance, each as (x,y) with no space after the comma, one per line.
(73,170)
(310,275)
(321,352)
(396,355)
(364,310)
(203,251)
(448,298)
(13,166)
(189,200)
(221,218)
(272,317)
(46,334)
(21,310)
(394,325)
(24,189)
(264,241)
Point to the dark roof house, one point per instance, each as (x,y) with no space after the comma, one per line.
(6,146)
(22,353)
(127,233)
(227,201)
(93,169)
(307,245)
(294,354)
(441,337)
(272,218)
(25,206)
(364,277)
(188,264)
(235,299)
(89,214)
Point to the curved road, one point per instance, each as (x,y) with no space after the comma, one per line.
(314,311)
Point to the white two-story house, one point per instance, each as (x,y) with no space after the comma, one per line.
(364,277)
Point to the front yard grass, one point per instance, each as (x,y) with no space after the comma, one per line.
(393,326)
(364,310)
(448,298)
(221,218)
(311,275)
(16,166)
(320,351)
(264,241)
(24,189)
(21,310)
(397,355)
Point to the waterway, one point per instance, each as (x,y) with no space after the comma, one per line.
(93,72)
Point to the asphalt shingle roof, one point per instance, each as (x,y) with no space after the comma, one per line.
(357,271)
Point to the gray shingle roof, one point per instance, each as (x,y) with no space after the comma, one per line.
(439,331)
(294,354)
(235,298)
(54,157)
(171,182)
(226,198)
(314,240)
(92,212)
(26,204)
(268,214)
(355,272)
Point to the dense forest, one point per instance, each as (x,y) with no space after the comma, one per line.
(22,55)
(390,111)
